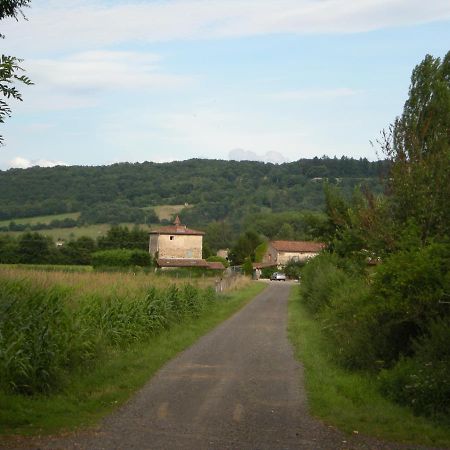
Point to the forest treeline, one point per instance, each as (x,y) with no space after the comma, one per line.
(218,189)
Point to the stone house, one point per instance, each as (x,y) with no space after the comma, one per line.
(177,246)
(279,253)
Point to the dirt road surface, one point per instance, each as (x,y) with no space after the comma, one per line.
(238,387)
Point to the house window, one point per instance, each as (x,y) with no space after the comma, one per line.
(171,238)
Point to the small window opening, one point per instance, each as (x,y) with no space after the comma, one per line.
(171,238)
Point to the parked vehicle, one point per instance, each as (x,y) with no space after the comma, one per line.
(278,276)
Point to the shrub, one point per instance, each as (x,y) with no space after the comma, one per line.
(224,261)
(321,277)
(121,258)
(408,289)
(348,322)
(293,269)
(247,267)
(423,381)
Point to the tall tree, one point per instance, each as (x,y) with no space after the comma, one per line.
(418,146)
(10,70)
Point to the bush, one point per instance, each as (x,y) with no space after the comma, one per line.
(408,291)
(293,269)
(321,277)
(121,258)
(348,322)
(224,261)
(247,267)
(423,381)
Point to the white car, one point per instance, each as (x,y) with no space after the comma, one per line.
(278,276)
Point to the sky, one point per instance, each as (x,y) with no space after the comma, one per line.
(164,80)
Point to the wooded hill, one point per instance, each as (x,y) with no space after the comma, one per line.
(217,189)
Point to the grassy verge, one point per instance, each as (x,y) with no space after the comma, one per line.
(91,394)
(350,400)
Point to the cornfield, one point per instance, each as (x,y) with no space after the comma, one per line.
(52,323)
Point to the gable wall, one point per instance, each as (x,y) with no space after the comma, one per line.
(181,246)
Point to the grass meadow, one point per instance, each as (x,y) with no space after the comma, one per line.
(351,401)
(40,219)
(73,346)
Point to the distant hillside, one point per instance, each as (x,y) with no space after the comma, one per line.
(217,189)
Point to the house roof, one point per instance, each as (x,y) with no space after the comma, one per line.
(297,246)
(216,265)
(180,262)
(177,228)
(174,229)
(261,265)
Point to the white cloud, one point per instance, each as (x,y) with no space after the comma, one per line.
(24,163)
(74,24)
(314,94)
(97,70)
(76,81)
(239,154)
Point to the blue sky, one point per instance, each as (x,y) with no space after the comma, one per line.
(243,79)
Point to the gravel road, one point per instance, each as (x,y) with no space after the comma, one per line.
(239,387)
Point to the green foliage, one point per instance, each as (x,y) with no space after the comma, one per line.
(267,272)
(260,251)
(44,334)
(219,235)
(9,65)
(224,261)
(351,400)
(114,213)
(397,318)
(423,381)
(221,191)
(287,225)
(38,338)
(419,149)
(120,258)
(247,267)
(293,269)
(122,237)
(34,248)
(245,247)
(8,250)
(321,278)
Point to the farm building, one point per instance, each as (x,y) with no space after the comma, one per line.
(178,246)
(279,253)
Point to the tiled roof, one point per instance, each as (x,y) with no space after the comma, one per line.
(174,229)
(297,246)
(262,265)
(180,262)
(216,265)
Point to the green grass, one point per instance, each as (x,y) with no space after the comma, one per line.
(40,219)
(92,231)
(167,211)
(49,267)
(348,400)
(91,394)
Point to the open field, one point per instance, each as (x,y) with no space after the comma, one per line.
(104,283)
(167,211)
(40,219)
(351,400)
(92,231)
(124,328)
